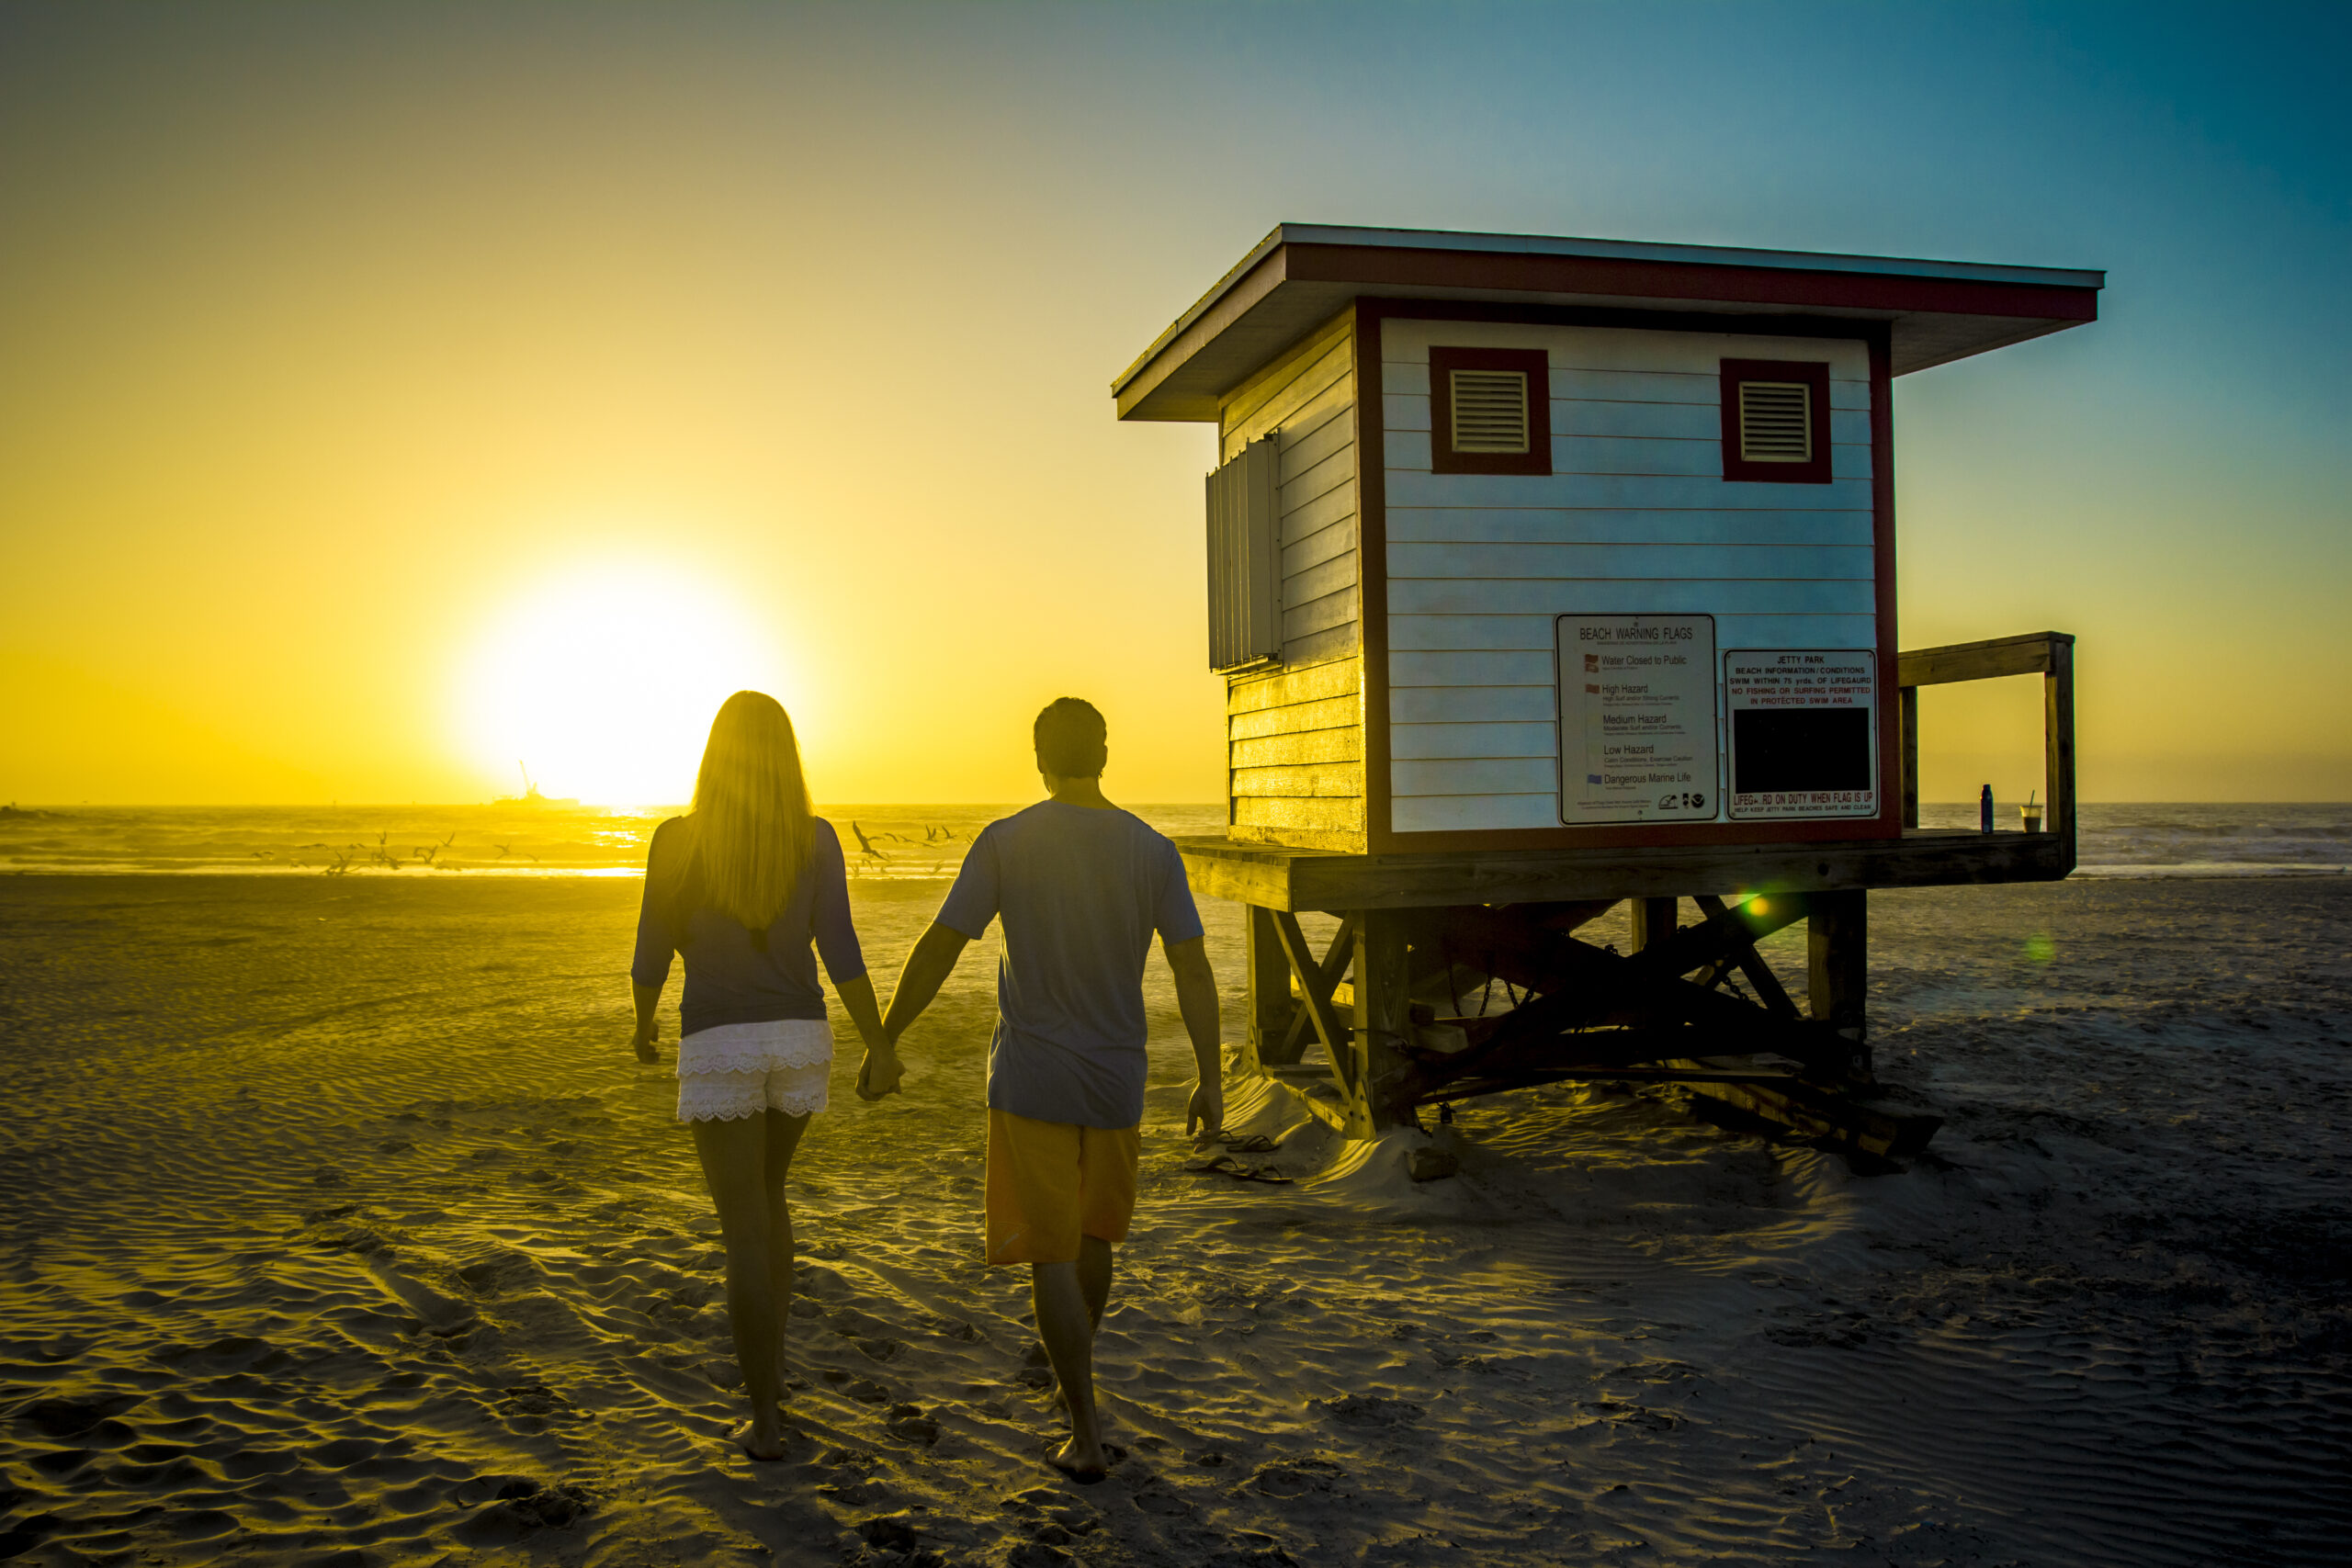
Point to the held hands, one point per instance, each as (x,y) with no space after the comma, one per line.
(1206,1111)
(644,1043)
(880,1073)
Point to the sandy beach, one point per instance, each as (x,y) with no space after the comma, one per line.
(342,1227)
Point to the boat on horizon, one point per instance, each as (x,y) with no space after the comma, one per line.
(531,796)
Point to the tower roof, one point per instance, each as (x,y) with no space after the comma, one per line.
(1302,273)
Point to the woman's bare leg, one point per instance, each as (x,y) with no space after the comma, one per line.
(783,1138)
(732,1155)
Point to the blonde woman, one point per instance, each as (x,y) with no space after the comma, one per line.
(742,886)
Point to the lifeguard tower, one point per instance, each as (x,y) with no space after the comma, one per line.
(1550,573)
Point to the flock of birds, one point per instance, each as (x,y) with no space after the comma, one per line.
(934,838)
(355,857)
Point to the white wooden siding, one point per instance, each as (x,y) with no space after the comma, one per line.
(1629,492)
(1599,525)
(1635,519)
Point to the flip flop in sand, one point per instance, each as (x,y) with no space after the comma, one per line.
(1226,1165)
(1248,1143)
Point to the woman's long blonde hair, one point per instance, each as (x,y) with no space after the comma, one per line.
(752,822)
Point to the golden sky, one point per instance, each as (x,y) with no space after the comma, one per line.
(379,386)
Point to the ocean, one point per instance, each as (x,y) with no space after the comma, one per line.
(921,843)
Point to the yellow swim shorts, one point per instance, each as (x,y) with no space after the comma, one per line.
(1051,1182)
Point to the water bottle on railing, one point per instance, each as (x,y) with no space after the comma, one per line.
(1984,809)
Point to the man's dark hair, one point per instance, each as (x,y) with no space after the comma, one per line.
(1072,740)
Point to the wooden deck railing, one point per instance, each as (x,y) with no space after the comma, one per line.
(2050,655)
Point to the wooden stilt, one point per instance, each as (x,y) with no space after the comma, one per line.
(1378,1095)
(1838,968)
(1653,920)
(1271,1040)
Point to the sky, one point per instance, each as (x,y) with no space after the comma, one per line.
(390,394)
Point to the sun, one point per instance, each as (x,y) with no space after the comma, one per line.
(603,682)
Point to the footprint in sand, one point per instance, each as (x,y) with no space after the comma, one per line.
(909,1425)
(1364,1410)
(1296,1477)
(443,1314)
(519,1507)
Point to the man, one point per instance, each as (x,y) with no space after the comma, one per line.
(1080,885)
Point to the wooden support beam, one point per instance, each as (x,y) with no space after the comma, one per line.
(1828,1115)
(1317,1001)
(1382,1090)
(1589,988)
(1837,969)
(1335,962)
(1274,1020)
(1469,1088)
(1726,931)
(1652,920)
(1768,989)
(1279,878)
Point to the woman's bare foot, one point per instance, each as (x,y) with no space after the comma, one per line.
(765,1444)
(1084,1463)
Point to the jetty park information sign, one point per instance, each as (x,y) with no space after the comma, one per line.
(1804,732)
(1637,719)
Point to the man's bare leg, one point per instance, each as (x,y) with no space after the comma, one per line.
(1068,1332)
(1094,1283)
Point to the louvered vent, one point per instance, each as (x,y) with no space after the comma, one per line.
(1775,422)
(1489,410)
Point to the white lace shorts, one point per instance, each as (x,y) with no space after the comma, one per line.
(741,1069)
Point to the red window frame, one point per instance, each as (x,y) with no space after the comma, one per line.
(1536,365)
(1814,470)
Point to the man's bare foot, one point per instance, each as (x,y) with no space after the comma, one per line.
(1085,1464)
(765,1444)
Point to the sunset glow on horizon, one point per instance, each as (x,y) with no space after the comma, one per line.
(602,681)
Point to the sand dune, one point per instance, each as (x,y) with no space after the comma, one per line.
(342,1227)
